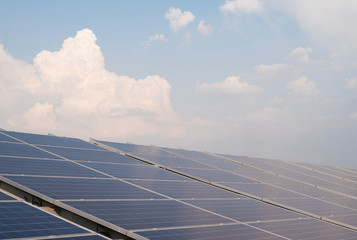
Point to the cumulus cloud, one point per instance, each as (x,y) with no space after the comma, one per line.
(231,85)
(71,90)
(178,19)
(154,38)
(204,29)
(303,86)
(300,55)
(242,6)
(351,83)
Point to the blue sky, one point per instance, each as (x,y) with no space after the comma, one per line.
(275,79)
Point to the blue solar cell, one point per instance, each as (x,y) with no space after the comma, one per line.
(186,189)
(245,210)
(347,202)
(141,149)
(147,213)
(20,220)
(216,175)
(192,154)
(262,190)
(5,138)
(52,140)
(4,196)
(226,232)
(306,229)
(135,171)
(23,150)
(75,188)
(315,206)
(348,219)
(90,237)
(170,161)
(30,166)
(91,155)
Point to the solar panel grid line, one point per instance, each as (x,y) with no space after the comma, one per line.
(259,198)
(67,236)
(26,189)
(320,171)
(208,225)
(303,182)
(90,217)
(51,176)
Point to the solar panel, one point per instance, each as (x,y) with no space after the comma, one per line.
(20,220)
(181,190)
(147,214)
(306,229)
(38,139)
(180,194)
(32,166)
(77,188)
(246,210)
(4,138)
(135,171)
(23,150)
(227,232)
(91,155)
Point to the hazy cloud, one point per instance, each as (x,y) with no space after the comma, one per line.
(178,19)
(204,29)
(279,70)
(351,83)
(230,85)
(300,55)
(239,6)
(303,86)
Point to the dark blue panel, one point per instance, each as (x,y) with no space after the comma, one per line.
(226,232)
(316,206)
(91,155)
(186,189)
(262,190)
(147,214)
(132,148)
(30,166)
(135,171)
(192,154)
(52,140)
(73,188)
(175,161)
(23,150)
(347,202)
(349,219)
(6,138)
(91,237)
(308,229)
(216,175)
(245,210)
(4,196)
(20,220)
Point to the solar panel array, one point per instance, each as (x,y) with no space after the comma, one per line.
(147,192)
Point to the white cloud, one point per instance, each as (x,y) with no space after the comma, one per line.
(204,29)
(230,85)
(178,19)
(303,86)
(70,90)
(266,114)
(277,71)
(351,83)
(239,6)
(329,23)
(300,55)
(154,38)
